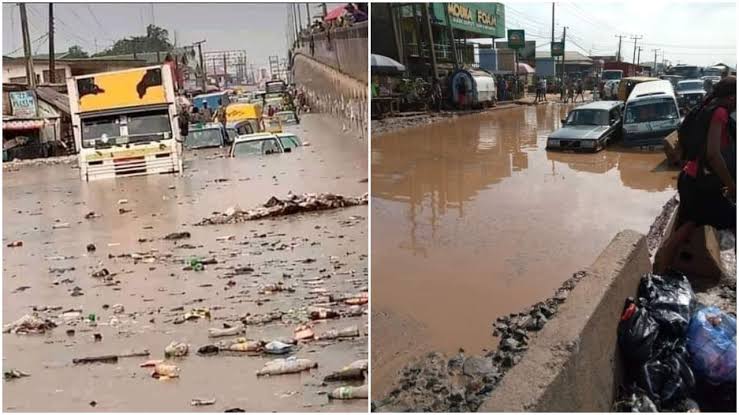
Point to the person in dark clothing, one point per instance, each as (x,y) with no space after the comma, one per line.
(707,184)
(206,114)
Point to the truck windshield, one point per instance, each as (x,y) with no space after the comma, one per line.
(100,129)
(654,110)
(149,126)
(612,75)
(687,72)
(686,86)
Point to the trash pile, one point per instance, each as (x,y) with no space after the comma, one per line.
(307,202)
(460,384)
(679,355)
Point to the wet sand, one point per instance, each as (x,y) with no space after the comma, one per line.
(473,219)
(36,196)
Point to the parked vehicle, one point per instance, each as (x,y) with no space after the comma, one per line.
(686,71)
(288,117)
(275,87)
(476,86)
(689,93)
(124,122)
(713,71)
(651,114)
(289,140)
(627,85)
(674,79)
(258,144)
(612,75)
(237,128)
(249,112)
(206,136)
(589,127)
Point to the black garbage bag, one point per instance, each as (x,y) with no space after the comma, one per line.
(670,300)
(667,378)
(637,332)
(633,399)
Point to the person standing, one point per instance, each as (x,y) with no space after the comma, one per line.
(206,113)
(707,183)
(579,91)
(220,115)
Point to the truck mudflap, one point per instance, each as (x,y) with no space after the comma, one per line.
(157,163)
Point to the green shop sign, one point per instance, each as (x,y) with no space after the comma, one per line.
(516,39)
(558,48)
(485,19)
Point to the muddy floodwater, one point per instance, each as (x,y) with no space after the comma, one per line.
(473,219)
(308,251)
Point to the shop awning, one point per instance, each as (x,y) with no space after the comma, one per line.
(22,124)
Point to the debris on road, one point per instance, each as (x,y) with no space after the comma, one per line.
(350,392)
(225,332)
(29,324)
(14,374)
(308,202)
(112,358)
(176,349)
(278,347)
(165,371)
(355,371)
(202,402)
(286,366)
(15,244)
(174,236)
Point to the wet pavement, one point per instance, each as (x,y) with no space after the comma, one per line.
(152,287)
(479,221)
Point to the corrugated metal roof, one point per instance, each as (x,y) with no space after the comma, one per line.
(570,57)
(58,100)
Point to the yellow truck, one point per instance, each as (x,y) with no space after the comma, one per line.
(125,123)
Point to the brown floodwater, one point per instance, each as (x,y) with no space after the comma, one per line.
(473,219)
(35,197)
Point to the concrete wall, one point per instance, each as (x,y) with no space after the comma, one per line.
(18,70)
(573,364)
(330,91)
(343,49)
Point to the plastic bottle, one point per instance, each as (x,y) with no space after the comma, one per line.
(285,366)
(350,392)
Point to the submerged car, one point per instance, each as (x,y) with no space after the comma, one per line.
(206,136)
(288,117)
(289,141)
(689,93)
(237,128)
(589,127)
(259,144)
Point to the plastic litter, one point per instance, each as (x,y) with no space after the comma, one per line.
(350,392)
(712,345)
(225,332)
(670,300)
(277,347)
(667,377)
(286,366)
(176,349)
(637,332)
(355,371)
(164,371)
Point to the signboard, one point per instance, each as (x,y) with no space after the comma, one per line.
(558,49)
(485,19)
(23,104)
(516,39)
(121,89)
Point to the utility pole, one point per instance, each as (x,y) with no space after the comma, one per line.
(225,69)
(52,58)
(203,71)
(564,48)
(654,68)
(638,56)
(300,19)
(30,72)
(307,11)
(552,22)
(618,58)
(451,37)
(323,5)
(633,59)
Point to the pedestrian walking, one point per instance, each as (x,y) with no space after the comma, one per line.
(544,89)
(538,91)
(580,91)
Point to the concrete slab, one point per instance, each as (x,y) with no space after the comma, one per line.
(573,364)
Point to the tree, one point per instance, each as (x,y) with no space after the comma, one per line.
(156,40)
(76,52)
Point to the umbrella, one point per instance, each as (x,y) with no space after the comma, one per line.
(335,13)
(384,64)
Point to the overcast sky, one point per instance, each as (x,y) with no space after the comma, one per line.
(697,33)
(260,29)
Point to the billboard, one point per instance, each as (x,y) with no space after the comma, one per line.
(122,89)
(23,104)
(558,48)
(484,19)
(516,39)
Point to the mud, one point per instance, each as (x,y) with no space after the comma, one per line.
(479,222)
(154,291)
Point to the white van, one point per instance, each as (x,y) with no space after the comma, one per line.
(651,114)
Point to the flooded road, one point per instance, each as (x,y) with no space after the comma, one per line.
(156,290)
(473,219)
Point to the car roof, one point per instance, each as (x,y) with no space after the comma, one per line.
(205,126)
(233,124)
(211,94)
(689,80)
(285,112)
(651,88)
(599,105)
(253,137)
(285,134)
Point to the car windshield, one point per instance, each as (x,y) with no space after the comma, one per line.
(256,147)
(686,86)
(611,75)
(660,110)
(289,141)
(712,72)
(210,137)
(286,116)
(587,117)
